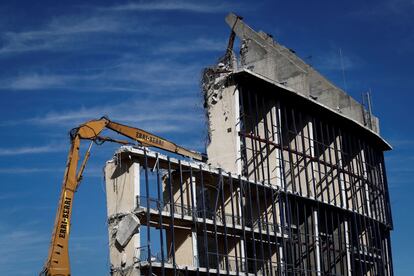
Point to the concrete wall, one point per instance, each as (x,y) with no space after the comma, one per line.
(183,244)
(223,117)
(122,187)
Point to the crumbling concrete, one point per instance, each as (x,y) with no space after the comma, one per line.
(267,60)
(122,181)
(263,55)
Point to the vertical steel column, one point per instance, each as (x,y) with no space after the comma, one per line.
(148,211)
(255,167)
(297,157)
(215,228)
(317,158)
(243,220)
(257,179)
(332,164)
(332,223)
(274,132)
(387,194)
(181,189)
(305,159)
(319,263)
(281,207)
(340,167)
(194,215)
(203,204)
(287,202)
(226,248)
(289,151)
(241,184)
(171,215)
(233,221)
(307,265)
(300,256)
(321,140)
(160,203)
(341,237)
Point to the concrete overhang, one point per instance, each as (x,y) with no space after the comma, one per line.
(246,74)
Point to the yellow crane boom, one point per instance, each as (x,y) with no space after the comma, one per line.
(57,263)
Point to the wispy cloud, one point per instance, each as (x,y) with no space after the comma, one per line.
(60,34)
(385,8)
(69,32)
(36,81)
(22,244)
(156,114)
(30,150)
(197,45)
(197,7)
(129,74)
(126,70)
(27,170)
(403,143)
(23,248)
(333,61)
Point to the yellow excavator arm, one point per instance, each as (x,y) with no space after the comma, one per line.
(57,263)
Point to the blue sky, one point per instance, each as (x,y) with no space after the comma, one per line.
(140,63)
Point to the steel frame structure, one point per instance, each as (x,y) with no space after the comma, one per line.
(312,199)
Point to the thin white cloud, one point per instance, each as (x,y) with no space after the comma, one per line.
(27,170)
(155,114)
(36,82)
(23,247)
(403,143)
(23,243)
(196,7)
(128,75)
(333,61)
(65,33)
(197,45)
(30,150)
(6,196)
(385,8)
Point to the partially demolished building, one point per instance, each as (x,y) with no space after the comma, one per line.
(295,182)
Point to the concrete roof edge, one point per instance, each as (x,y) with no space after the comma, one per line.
(293,91)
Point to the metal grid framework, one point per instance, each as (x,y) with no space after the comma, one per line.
(287,144)
(312,199)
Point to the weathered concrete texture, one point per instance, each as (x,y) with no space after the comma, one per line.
(223,117)
(122,187)
(262,55)
(127,227)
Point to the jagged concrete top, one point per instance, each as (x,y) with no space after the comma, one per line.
(262,55)
(246,72)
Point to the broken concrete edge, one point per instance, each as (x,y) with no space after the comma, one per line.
(266,45)
(126,228)
(142,151)
(242,71)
